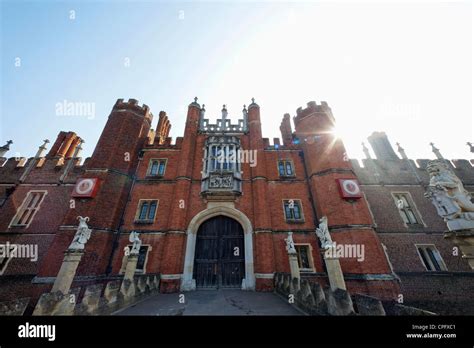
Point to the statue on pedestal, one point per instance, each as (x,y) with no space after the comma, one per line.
(448,195)
(82,235)
(290,245)
(323,233)
(137,243)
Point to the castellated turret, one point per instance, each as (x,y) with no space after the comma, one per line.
(326,164)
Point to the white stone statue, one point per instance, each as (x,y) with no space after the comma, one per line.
(290,245)
(137,243)
(323,233)
(82,235)
(448,195)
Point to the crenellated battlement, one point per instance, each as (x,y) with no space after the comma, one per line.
(390,169)
(276,145)
(407,171)
(45,170)
(311,108)
(132,105)
(167,143)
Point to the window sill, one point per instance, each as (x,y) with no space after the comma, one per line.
(295,221)
(221,171)
(414,226)
(307,270)
(143,222)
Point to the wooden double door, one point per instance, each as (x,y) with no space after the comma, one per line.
(219,260)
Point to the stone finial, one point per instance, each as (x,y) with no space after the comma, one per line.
(203,107)
(195,103)
(366,151)
(401,151)
(253,104)
(45,141)
(471,146)
(224,114)
(436,151)
(79,148)
(42,149)
(245,108)
(5,148)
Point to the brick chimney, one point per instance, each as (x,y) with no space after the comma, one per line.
(381,145)
(285,129)
(64,146)
(163,128)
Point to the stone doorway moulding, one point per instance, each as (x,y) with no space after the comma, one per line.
(187,281)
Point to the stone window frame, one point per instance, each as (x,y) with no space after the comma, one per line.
(292,164)
(137,219)
(209,158)
(310,257)
(125,259)
(293,221)
(412,207)
(426,259)
(150,164)
(24,206)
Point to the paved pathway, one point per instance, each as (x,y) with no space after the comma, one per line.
(217,302)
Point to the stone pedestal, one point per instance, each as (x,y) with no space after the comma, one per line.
(128,288)
(67,272)
(335,275)
(131,267)
(294,268)
(464,239)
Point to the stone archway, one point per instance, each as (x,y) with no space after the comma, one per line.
(187,281)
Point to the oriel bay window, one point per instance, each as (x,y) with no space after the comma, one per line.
(221,168)
(146,211)
(222,158)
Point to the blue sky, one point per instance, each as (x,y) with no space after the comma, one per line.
(405,68)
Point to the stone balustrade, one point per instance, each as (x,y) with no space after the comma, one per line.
(311,298)
(98,299)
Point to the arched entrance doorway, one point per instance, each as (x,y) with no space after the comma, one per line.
(188,282)
(219,260)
